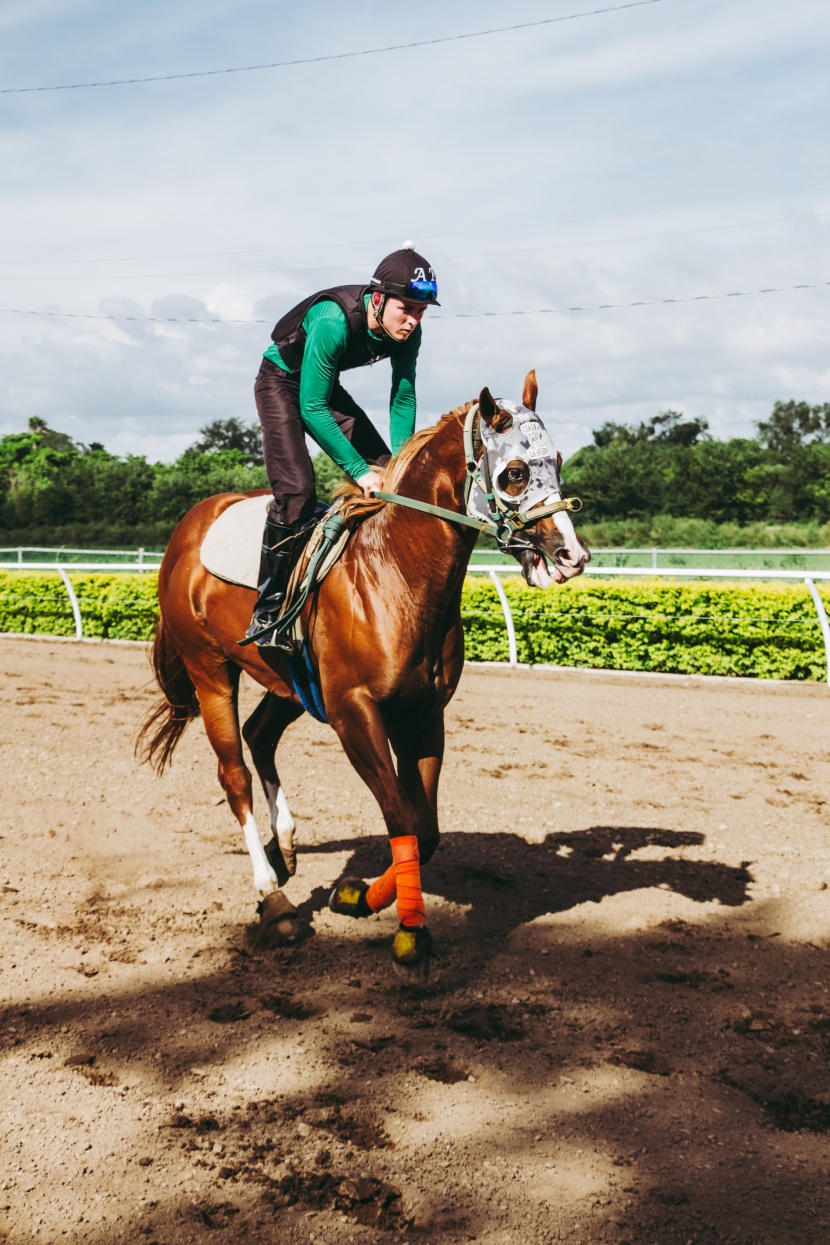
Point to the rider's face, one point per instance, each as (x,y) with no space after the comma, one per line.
(401,318)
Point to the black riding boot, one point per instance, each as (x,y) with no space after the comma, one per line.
(279,542)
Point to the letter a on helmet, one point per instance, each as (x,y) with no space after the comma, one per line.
(406,274)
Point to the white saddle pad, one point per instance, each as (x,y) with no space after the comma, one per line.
(232,544)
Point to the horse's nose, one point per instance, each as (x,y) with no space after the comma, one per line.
(576,558)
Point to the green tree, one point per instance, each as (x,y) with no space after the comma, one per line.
(231,434)
(327,476)
(668,428)
(794,424)
(192,477)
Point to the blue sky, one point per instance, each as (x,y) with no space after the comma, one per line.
(671,150)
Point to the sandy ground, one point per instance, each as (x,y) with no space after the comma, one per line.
(628,1032)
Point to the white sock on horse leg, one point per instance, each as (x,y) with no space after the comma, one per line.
(265,879)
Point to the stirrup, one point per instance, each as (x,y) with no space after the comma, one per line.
(266,636)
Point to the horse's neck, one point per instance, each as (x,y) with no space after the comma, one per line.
(431,552)
(438,472)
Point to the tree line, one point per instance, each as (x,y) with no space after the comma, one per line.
(56,490)
(670,465)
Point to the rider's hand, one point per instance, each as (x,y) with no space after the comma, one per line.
(371,482)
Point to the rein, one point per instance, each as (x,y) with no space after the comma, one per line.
(504,523)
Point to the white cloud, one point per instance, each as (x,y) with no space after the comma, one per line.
(668,105)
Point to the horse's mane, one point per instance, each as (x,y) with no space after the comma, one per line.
(356,507)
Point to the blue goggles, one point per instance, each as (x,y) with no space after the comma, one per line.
(421,291)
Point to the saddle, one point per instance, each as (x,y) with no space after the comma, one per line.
(230,551)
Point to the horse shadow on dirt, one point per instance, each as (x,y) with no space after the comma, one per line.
(504,882)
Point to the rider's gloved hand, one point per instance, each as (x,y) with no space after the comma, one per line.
(371,482)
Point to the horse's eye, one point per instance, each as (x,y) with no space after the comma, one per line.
(515,475)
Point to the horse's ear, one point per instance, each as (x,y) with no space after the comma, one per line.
(530,392)
(487,405)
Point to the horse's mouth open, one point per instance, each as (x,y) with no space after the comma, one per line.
(537,572)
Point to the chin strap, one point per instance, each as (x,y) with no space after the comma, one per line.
(379,315)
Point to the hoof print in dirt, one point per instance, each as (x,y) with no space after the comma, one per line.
(440,1070)
(485,1023)
(786,1107)
(280,924)
(287,1008)
(650,1061)
(218,1215)
(229,1013)
(362,1198)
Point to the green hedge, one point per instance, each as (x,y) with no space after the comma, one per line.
(760,630)
(755,629)
(113,607)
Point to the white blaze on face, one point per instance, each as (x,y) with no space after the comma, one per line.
(567,531)
(542,574)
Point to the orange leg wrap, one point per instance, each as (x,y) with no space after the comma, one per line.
(383,891)
(408,878)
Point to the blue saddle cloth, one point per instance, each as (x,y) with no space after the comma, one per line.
(306,684)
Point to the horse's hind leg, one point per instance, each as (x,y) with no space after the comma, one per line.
(218,701)
(262,732)
(217,692)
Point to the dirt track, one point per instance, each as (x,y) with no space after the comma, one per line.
(628,1034)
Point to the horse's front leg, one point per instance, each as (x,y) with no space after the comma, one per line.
(363,734)
(419,747)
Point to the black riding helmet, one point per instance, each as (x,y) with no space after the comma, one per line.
(406,274)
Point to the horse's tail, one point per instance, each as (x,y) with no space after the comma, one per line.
(166,722)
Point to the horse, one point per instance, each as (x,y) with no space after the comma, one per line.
(386,644)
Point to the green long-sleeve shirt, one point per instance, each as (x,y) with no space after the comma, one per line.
(327,336)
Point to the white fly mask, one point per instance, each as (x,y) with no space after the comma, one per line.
(526,440)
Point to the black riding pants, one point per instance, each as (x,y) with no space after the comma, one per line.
(287,460)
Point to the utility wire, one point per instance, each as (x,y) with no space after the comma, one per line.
(655,302)
(334,56)
(460,233)
(533,250)
(460,315)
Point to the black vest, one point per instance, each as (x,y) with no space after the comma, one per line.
(289,335)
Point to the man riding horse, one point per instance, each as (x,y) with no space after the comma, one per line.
(298,391)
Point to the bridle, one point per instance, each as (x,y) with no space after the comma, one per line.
(506,523)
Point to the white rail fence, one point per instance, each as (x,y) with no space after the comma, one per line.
(495,573)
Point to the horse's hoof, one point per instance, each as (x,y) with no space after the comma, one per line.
(411,954)
(280,924)
(278,863)
(349,898)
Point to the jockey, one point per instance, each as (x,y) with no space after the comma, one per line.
(298,392)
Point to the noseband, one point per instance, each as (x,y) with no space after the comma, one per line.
(505,522)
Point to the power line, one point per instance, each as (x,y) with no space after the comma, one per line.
(460,233)
(334,56)
(533,250)
(655,302)
(460,315)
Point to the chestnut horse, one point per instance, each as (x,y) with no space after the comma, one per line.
(385,637)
